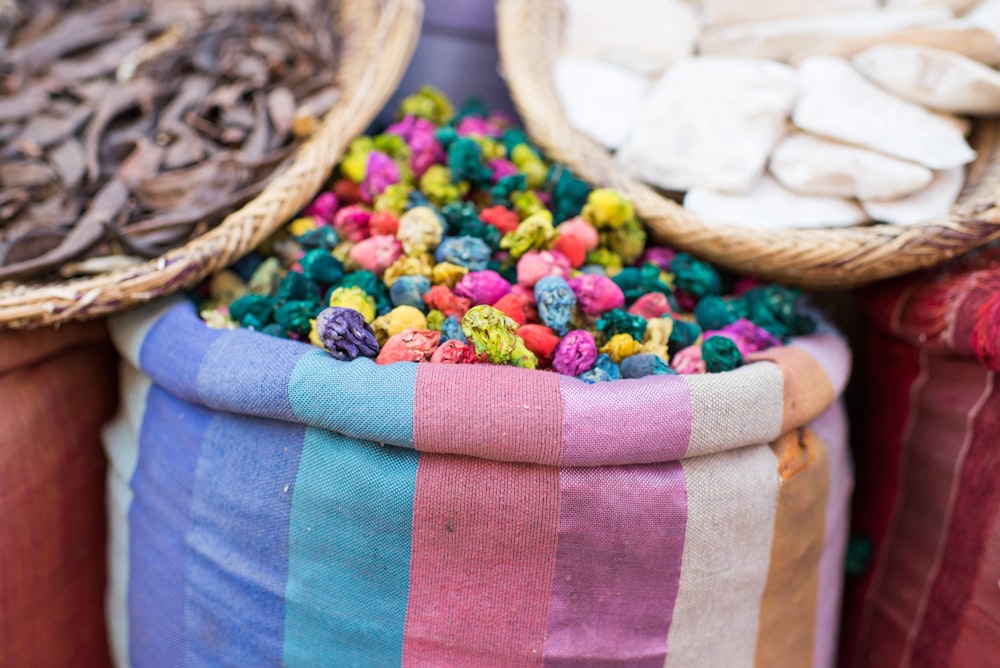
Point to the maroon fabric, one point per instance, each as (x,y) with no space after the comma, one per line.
(929,435)
(891,368)
(56,390)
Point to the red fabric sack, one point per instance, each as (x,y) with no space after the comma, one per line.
(928,472)
(57,387)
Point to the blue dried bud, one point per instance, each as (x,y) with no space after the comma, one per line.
(604,370)
(555,303)
(469,252)
(451,330)
(409,291)
(645,364)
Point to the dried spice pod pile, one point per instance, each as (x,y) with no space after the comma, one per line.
(450,239)
(130,128)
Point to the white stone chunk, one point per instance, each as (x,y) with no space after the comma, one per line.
(985,15)
(710,123)
(600,99)
(770,206)
(934,78)
(810,165)
(957,6)
(836,101)
(783,39)
(721,12)
(643,35)
(971,42)
(931,202)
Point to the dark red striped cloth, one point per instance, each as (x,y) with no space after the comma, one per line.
(928,466)
(57,387)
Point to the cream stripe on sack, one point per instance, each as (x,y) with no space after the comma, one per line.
(747,408)
(732,499)
(121,444)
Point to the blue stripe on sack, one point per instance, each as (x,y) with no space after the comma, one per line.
(174,349)
(238,541)
(169,445)
(360,399)
(349,553)
(247,372)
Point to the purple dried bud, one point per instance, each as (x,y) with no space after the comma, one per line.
(345,333)
(575,354)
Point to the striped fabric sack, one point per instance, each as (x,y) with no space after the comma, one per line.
(928,470)
(273,506)
(57,387)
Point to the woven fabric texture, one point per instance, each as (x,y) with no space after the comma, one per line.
(276,505)
(928,463)
(56,389)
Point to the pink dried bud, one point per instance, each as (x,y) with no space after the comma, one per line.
(410,345)
(323,208)
(351,222)
(536,265)
(596,294)
(376,253)
(455,352)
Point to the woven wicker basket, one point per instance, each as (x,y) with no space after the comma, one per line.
(376,39)
(529,32)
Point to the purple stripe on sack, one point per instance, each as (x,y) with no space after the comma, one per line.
(181,332)
(638,421)
(237,564)
(831,428)
(618,565)
(486,411)
(169,446)
(247,372)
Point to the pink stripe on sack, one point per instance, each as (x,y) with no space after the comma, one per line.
(638,421)
(488,411)
(911,552)
(484,549)
(618,566)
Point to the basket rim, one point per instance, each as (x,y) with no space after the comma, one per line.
(527,37)
(376,42)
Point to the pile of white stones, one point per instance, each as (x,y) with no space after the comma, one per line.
(786,113)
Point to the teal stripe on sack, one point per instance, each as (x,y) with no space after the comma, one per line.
(360,399)
(349,552)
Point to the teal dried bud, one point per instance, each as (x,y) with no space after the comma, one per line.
(638,281)
(604,371)
(776,309)
(369,282)
(506,186)
(252,311)
(715,312)
(513,137)
(569,193)
(410,291)
(683,334)
(451,330)
(469,252)
(296,287)
(699,279)
(321,267)
(465,160)
(446,136)
(344,332)
(645,364)
(555,301)
(324,238)
(456,214)
(480,230)
(294,316)
(473,106)
(720,354)
(417,198)
(617,321)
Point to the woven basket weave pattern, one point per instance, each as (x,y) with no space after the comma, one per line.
(529,32)
(376,40)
